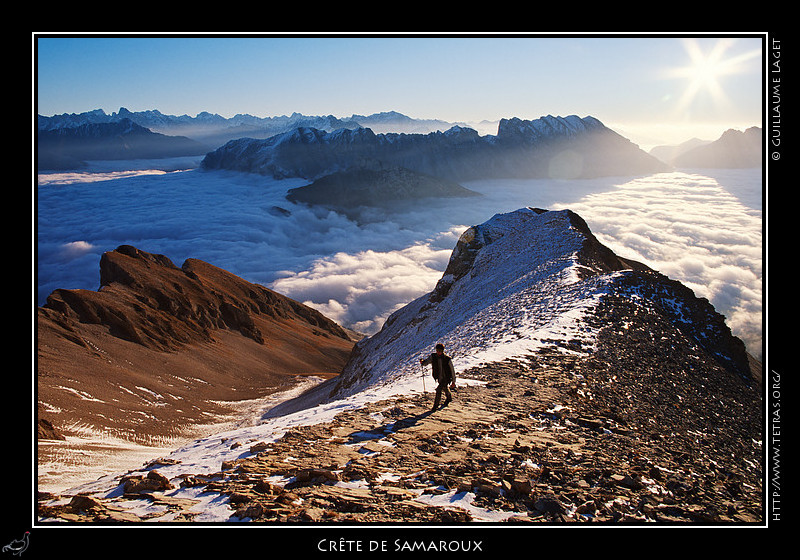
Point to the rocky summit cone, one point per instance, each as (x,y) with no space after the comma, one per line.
(591,389)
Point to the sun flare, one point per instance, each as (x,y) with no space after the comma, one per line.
(705,70)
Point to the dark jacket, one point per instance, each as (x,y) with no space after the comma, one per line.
(442,367)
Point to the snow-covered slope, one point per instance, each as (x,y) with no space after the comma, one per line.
(519,282)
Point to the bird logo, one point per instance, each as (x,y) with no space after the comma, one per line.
(18,546)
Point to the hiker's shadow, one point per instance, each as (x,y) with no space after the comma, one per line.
(388,428)
(408,421)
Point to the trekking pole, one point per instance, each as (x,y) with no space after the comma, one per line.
(423,377)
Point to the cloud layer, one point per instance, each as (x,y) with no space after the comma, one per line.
(693,230)
(702,230)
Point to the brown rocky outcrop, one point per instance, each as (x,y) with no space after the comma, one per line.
(160,348)
(144,298)
(46,430)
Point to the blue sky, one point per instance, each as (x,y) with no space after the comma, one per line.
(647,88)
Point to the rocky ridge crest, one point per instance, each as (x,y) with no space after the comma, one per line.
(507,287)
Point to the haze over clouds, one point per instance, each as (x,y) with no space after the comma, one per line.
(689,227)
(704,231)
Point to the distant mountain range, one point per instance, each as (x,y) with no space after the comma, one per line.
(557,147)
(70,147)
(734,149)
(67,140)
(212,130)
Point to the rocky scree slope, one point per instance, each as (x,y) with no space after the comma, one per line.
(552,438)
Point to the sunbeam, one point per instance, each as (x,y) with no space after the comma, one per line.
(705,70)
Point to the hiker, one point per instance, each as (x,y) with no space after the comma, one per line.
(443,373)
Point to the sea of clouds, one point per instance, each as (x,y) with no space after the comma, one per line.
(701,228)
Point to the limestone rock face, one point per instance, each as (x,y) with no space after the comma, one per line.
(145,298)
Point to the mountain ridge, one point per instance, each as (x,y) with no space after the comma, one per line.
(509,284)
(557,147)
(214,130)
(733,149)
(69,147)
(205,123)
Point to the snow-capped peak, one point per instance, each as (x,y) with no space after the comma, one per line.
(548,126)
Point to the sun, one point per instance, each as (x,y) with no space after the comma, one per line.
(705,70)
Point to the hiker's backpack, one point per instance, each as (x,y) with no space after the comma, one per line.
(443,369)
